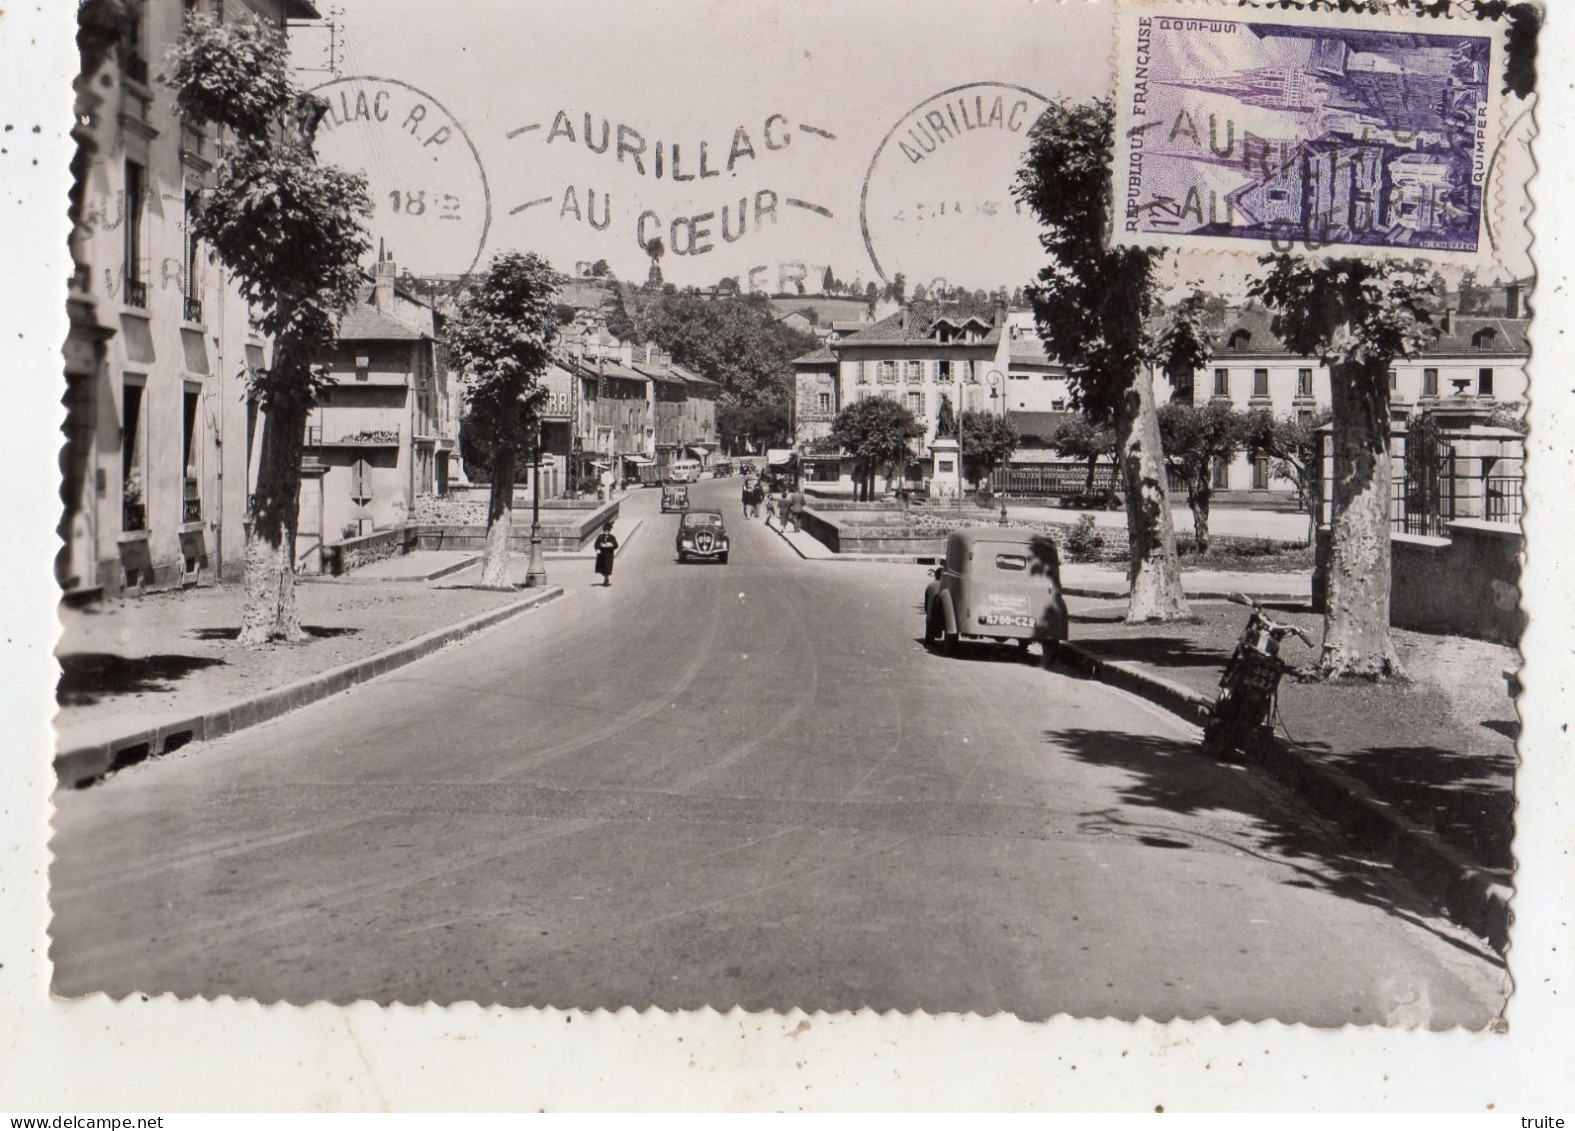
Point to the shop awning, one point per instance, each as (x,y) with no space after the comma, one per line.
(639,461)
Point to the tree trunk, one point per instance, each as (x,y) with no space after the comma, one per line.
(1198,501)
(1152,569)
(500,523)
(1088,488)
(1356,639)
(269,611)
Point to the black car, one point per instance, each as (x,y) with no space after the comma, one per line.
(702,534)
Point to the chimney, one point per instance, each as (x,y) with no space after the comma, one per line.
(626,353)
(1000,312)
(1446,322)
(383,284)
(905,317)
(1512,301)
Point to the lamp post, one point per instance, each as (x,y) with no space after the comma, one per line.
(535,568)
(998,391)
(960,479)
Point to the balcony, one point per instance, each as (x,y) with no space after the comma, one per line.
(191,502)
(360,438)
(136,294)
(192,309)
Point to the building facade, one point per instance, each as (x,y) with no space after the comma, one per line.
(161,438)
(383,432)
(1482,357)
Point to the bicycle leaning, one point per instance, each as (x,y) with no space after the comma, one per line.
(1250,688)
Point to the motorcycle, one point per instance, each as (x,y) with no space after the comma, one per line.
(1250,688)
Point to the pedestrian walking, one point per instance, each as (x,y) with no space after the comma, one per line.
(606,545)
(747,493)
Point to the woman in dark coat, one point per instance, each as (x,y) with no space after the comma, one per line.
(606,543)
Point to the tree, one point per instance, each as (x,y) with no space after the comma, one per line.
(1089,304)
(1291,442)
(1078,439)
(918,292)
(736,341)
(877,433)
(600,269)
(653,278)
(871,293)
(988,442)
(1196,438)
(751,427)
(501,336)
(828,282)
(1358,316)
(290,233)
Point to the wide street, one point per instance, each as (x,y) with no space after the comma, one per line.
(746,784)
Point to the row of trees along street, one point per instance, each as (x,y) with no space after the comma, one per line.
(291,234)
(1099,310)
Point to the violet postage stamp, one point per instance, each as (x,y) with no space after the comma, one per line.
(1281,130)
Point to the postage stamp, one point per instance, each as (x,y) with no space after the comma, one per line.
(1305,131)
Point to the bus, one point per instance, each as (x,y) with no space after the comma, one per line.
(683,471)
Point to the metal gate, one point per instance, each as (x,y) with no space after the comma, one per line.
(1425,490)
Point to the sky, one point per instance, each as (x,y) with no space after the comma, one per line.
(791,102)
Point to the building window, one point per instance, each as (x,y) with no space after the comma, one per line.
(824,402)
(1394,380)
(1241,339)
(136,193)
(916,404)
(943,371)
(1430,382)
(193,311)
(1304,383)
(134,513)
(191,496)
(1221,475)
(1260,473)
(1485,382)
(1484,339)
(913,371)
(886,372)
(1183,390)
(1222,382)
(1260,382)
(864,373)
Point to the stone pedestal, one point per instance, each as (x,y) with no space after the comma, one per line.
(945,468)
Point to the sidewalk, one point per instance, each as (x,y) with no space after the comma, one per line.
(1420,774)
(142,676)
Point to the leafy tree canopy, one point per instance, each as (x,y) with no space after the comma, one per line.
(988,441)
(501,337)
(876,431)
(1348,311)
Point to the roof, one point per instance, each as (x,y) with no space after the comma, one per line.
(658,374)
(364,323)
(1508,335)
(1258,340)
(891,331)
(1039,426)
(820,356)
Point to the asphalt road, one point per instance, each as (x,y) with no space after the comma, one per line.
(740,785)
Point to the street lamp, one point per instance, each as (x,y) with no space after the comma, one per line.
(998,391)
(535,568)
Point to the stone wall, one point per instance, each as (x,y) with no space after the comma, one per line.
(1467,584)
(351,553)
(878,532)
(563,529)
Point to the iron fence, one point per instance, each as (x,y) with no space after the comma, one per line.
(1502,498)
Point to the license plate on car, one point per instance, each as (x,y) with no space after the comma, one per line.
(1012,619)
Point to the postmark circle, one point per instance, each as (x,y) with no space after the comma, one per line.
(431,205)
(936,202)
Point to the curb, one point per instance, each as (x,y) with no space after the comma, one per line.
(83,765)
(1470,897)
(1191,594)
